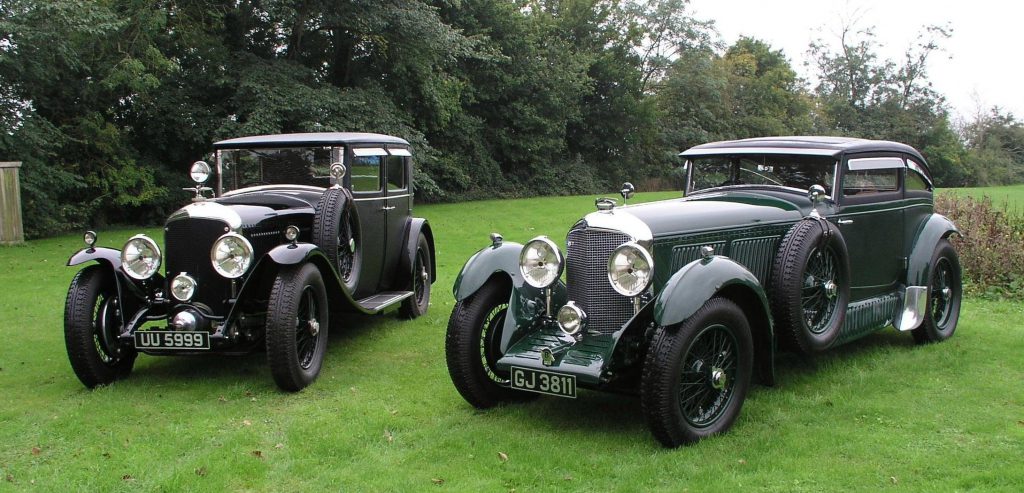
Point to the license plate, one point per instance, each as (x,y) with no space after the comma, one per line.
(544,382)
(166,339)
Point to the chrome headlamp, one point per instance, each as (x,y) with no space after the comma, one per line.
(571,318)
(140,257)
(630,269)
(89,237)
(231,255)
(200,172)
(183,286)
(540,262)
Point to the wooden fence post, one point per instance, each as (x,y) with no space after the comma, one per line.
(11,230)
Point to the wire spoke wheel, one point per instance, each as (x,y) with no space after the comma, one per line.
(818,295)
(942,292)
(709,376)
(307,328)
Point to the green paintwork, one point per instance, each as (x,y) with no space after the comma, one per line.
(483,264)
(928,235)
(526,303)
(714,211)
(697,282)
(586,359)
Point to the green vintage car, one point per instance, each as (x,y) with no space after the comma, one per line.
(785,243)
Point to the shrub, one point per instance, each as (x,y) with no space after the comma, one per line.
(992,246)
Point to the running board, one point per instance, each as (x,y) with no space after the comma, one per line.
(380,301)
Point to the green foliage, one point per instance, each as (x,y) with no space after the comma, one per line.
(107,102)
(990,245)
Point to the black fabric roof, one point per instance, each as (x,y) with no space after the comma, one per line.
(805,145)
(316,138)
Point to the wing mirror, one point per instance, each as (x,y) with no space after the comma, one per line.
(817,195)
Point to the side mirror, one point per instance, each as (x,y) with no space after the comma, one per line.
(817,195)
(627,191)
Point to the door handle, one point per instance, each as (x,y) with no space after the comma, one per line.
(845,221)
(387,208)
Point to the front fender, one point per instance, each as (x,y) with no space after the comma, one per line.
(101,254)
(526,302)
(483,264)
(934,229)
(293,253)
(696,283)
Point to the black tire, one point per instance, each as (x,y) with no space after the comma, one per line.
(944,294)
(92,325)
(419,302)
(471,347)
(707,360)
(810,286)
(336,232)
(297,322)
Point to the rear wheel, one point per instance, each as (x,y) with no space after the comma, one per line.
(472,347)
(297,323)
(944,294)
(419,302)
(92,324)
(697,373)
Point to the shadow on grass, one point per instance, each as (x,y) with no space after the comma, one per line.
(621,415)
(251,368)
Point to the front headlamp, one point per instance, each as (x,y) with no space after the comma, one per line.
(630,269)
(200,172)
(140,257)
(231,255)
(571,318)
(540,262)
(183,286)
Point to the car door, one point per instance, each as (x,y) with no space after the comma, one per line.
(366,175)
(397,210)
(871,218)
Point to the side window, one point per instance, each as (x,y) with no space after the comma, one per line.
(871,176)
(916,182)
(396,173)
(917,177)
(366,173)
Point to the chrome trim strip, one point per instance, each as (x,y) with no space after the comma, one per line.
(369,151)
(621,220)
(209,210)
(262,188)
(915,308)
(389,197)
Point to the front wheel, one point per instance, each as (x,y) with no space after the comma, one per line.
(92,324)
(944,293)
(419,302)
(697,373)
(472,347)
(297,326)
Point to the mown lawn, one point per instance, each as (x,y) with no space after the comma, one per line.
(879,414)
(1012,196)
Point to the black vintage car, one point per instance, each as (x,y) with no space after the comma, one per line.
(292,231)
(793,243)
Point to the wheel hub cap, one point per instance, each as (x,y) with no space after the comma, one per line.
(352,245)
(831,289)
(719,380)
(314,327)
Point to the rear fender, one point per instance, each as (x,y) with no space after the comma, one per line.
(699,281)
(413,230)
(933,230)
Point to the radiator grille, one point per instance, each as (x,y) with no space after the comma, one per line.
(187,249)
(587,278)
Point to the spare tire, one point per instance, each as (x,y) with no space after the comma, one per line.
(336,232)
(810,286)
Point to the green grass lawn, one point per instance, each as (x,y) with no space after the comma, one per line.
(1010,195)
(879,414)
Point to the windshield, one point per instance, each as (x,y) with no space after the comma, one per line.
(784,170)
(242,168)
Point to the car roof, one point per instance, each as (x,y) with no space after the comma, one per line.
(803,145)
(312,138)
